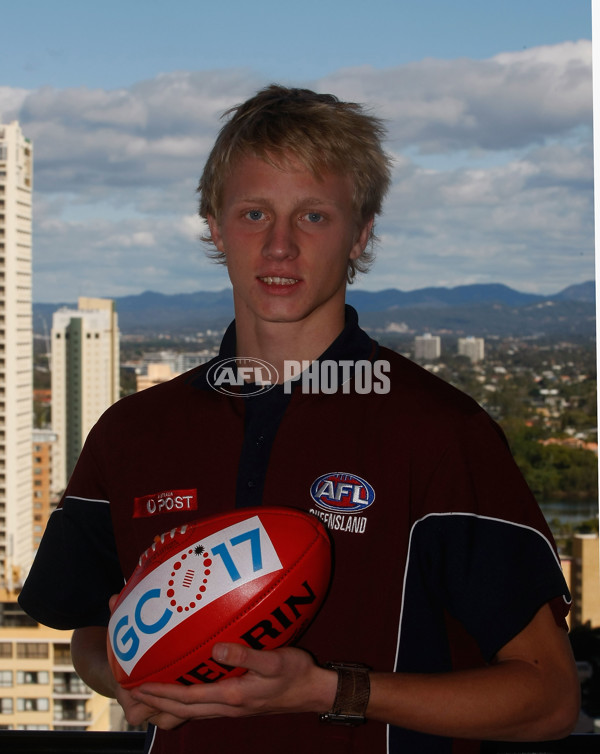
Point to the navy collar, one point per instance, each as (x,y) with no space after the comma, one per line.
(351,344)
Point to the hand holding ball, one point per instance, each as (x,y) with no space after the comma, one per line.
(253,576)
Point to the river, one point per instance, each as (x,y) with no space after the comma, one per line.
(570,512)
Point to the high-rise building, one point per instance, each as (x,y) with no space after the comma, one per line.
(16,383)
(428,347)
(85,377)
(39,688)
(44,501)
(472,348)
(583,576)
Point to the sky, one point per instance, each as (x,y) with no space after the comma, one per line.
(488,107)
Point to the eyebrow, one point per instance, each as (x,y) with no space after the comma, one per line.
(312,200)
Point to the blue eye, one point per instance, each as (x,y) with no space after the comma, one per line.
(314,217)
(254,214)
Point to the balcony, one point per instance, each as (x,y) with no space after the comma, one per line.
(72,691)
(57,742)
(69,711)
(70,718)
(69,685)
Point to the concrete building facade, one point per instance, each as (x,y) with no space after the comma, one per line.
(44,500)
(16,381)
(85,377)
(39,688)
(428,347)
(472,348)
(583,577)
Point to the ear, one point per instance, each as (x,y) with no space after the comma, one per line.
(215,233)
(362,239)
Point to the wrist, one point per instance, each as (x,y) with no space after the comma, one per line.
(352,695)
(324,687)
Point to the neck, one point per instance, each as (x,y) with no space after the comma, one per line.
(280,342)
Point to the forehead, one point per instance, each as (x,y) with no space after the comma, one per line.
(286,178)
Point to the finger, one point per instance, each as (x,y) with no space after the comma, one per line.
(165,721)
(137,713)
(111,602)
(158,695)
(181,706)
(266,663)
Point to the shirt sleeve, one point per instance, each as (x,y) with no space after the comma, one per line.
(481,543)
(76,568)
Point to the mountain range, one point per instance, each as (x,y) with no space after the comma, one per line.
(481,309)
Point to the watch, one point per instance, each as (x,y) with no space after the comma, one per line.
(352,696)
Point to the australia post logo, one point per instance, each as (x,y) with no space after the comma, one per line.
(341,492)
(165,502)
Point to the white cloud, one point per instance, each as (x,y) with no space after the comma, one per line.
(492,182)
(10,102)
(510,100)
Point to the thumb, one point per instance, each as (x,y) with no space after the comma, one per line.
(268,663)
(230,654)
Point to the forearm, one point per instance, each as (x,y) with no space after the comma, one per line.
(508,701)
(88,650)
(531,692)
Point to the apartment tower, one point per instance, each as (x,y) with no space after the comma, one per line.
(472,348)
(428,347)
(16,386)
(85,377)
(44,500)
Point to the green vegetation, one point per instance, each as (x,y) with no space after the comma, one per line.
(543,395)
(554,472)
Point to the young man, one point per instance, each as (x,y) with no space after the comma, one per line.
(446,585)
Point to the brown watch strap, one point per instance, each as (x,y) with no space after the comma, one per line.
(352,697)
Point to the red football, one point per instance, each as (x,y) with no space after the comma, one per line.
(255,576)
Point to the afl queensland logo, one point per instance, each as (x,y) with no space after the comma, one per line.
(228,376)
(340,492)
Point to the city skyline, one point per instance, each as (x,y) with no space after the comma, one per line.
(489,111)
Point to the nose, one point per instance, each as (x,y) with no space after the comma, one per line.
(280,240)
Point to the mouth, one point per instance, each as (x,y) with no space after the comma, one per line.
(278,280)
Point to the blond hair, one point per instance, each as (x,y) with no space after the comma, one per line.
(318,130)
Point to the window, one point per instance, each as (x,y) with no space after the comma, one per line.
(28,650)
(33,705)
(6,706)
(40,676)
(6,679)
(6,649)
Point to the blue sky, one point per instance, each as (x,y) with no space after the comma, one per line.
(488,106)
(70,43)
